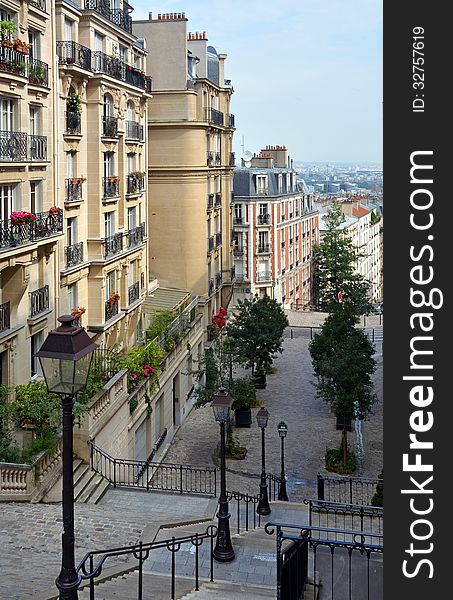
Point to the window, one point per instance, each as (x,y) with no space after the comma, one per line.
(36,342)
(108,106)
(109,224)
(68,30)
(9,200)
(262,239)
(131,162)
(280,183)
(123,54)
(71,295)
(70,164)
(98,42)
(71,231)
(263,210)
(131,218)
(109,164)
(34,124)
(34,39)
(110,284)
(238,211)
(35,197)
(5,15)
(8,114)
(261,184)
(137,61)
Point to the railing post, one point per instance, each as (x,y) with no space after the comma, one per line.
(91,579)
(147,476)
(196,562)
(320,487)
(350,490)
(114,472)
(180,479)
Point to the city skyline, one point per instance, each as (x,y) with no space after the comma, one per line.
(318,66)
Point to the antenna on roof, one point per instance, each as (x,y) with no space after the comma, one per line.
(247,158)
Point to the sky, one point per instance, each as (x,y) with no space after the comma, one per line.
(306,74)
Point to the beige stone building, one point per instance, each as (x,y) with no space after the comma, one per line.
(190,160)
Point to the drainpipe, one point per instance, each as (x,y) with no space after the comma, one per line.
(56,163)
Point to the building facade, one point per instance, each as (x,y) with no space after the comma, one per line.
(275,227)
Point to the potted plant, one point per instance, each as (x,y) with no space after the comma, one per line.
(7,29)
(114,299)
(21,46)
(77,312)
(244,394)
(21,217)
(54,211)
(73,103)
(36,74)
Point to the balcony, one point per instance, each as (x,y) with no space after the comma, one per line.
(264,249)
(218,239)
(232,160)
(74,255)
(13,146)
(73,123)
(134,292)
(136,236)
(13,234)
(233,273)
(210,201)
(262,191)
(39,301)
(218,281)
(5,316)
(118,16)
(74,189)
(135,183)
(110,127)
(230,121)
(264,219)
(41,4)
(210,158)
(116,68)
(264,276)
(211,287)
(211,243)
(238,250)
(218,159)
(37,147)
(113,245)
(38,72)
(239,221)
(111,310)
(111,187)
(71,53)
(13,61)
(213,116)
(218,200)
(134,131)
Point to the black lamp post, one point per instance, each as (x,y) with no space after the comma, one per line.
(263,507)
(65,358)
(282,431)
(223,551)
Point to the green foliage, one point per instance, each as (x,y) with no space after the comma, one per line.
(207,366)
(234,448)
(243,391)
(374,218)
(335,461)
(160,323)
(7,30)
(34,405)
(256,332)
(378,498)
(73,103)
(143,363)
(335,260)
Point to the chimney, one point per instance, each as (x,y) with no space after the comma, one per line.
(150,16)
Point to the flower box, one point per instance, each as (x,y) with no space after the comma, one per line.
(21,217)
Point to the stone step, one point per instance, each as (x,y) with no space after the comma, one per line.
(82,482)
(80,472)
(225,590)
(98,492)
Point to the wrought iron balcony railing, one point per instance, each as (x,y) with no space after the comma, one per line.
(264,219)
(135,184)
(113,245)
(38,72)
(211,243)
(136,236)
(118,16)
(72,53)
(13,146)
(111,186)
(39,301)
(230,121)
(239,221)
(214,116)
(218,280)
(5,315)
(210,201)
(16,234)
(211,287)
(264,276)
(73,190)
(218,199)
(134,292)
(110,127)
(13,61)
(218,159)
(37,147)
(134,131)
(74,255)
(264,248)
(115,67)
(41,4)
(73,122)
(232,160)
(218,239)
(238,250)
(111,310)
(210,158)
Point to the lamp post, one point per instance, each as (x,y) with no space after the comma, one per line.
(65,358)
(282,431)
(223,551)
(263,507)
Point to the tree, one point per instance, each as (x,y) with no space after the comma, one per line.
(335,261)
(256,332)
(343,363)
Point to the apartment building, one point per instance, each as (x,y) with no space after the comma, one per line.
(190,160)
(102,94)
(31,216)
(275,227)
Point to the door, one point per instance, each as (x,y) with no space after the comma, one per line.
(176,407)
(140,442)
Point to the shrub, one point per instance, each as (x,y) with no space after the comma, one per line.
(234,448)
(335,463)
(378,498)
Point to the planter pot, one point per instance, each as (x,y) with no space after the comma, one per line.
(343,423)
(243,417)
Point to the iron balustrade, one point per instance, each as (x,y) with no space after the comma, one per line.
(218,158)
(17,234)
(218,199)
(89,570)
(111,187)
(264,219)
(5,316)
(210,201)
(148,475)
(111,310)
(233,273)
(210,158)
(13,61)
(135,184)
(134,292)
(354,490)
(73,122)
(13,145)
(116,68)
(214,116)
(118,16)
(136,236)
(41,4)
(264,276)
(74,254)
(264,248)
(239,221)
(245,503)
(230,121)
(211,241)
(38,72)
(148,84)
(109,127)
(273,483)
(232,160)
(218,239)
(296,544)
(73,189)
(218,280)
(39,301)
(342,515)
(211,287)
(72,53)
(113,245)
(37,147)
(134,131)
(238,250)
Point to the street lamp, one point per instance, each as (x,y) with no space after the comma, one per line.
(263,508)
(223,551)
(65,358)
(282,431)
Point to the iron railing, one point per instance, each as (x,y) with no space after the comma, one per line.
(39,301)
(74,254)
(136,236)
(111,187)
(118,16)
(214,116)
(218,159)
(342,515)
(353,490)
(232,160)
(296,544)
(113,244)
(5,316)
(73,122)
(210,158)
(210,201)
(218,280)
(44,225)
(218,199)
(72,53)
(264,276)
(116,68)
(13,145)
(73,189)
(110,127)
(273,483)
(134,131)
(37,147)
(134,292)
(148,475)
(13,61)
(111,310)
(218,239)
(230,120)
(135,184)
(264,219)
(264,248)
(239,221)
(41,4)
(244,512)
(89,570)
(38,72)
(238,250)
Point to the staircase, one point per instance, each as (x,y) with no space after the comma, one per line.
(89,486)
